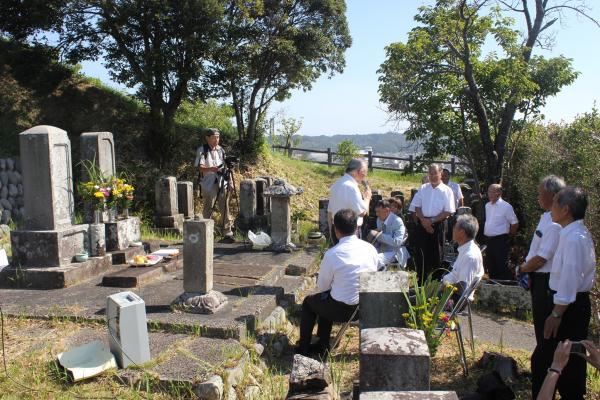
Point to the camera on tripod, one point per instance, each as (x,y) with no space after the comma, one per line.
(230,161)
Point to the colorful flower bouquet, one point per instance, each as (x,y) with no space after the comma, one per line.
(426,310)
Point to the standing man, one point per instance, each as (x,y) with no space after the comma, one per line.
(210,161)
(389,237)
(571,279)
(345,193)
(500,224)
(433,203)
(538,262)
(338,284)
(458,196)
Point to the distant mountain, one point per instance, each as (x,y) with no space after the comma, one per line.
(390,142)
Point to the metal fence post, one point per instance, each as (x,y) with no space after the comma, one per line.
(411,164)
(329,157)
(370,157)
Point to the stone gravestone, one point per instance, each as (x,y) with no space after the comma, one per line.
(281,226)
(165,195)
(185,198)
(382,290)
(198,296)
(49,239)
(97,148)
(247,214)
(261,220)
(323,222)
(393,359)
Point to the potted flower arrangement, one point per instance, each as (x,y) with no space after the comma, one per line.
(121,195)
(96,194)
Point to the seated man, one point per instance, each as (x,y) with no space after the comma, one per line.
(469,264)
(338,283)
(390,237)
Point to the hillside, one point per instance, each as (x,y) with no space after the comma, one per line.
(316,180)
(390,142)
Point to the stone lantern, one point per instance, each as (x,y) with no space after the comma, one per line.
(280,193)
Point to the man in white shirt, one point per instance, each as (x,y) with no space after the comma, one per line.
(468,266)
(345,193)
(571,279)
(390,236)
(538,262)
(338,283)
(210,159)
(500,224)
(458,196)
(433,203)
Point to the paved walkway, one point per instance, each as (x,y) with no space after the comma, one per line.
(501,331)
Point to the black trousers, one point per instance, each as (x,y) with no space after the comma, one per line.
(429,249)
(497,257)
(541,301)
(327,310)
(573,326)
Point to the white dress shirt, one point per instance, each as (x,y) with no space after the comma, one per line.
(344,193)
(341,267)
(574,263)
(468,265)
(544,242)
(499,216)
(456,191)
(434,200)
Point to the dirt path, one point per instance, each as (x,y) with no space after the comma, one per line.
(501,331)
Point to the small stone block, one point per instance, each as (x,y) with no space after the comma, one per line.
(51,248)
(198,255)
(409,395)
(169,221)
(120,234)
(393,359)
(165,196)
(382,291)
(185,198)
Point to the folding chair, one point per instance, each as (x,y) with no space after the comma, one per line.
(342,331)
(459,309)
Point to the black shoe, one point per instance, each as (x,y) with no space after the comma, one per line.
(301,351)
(319,351)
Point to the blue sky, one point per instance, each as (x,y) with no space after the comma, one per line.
(348,103)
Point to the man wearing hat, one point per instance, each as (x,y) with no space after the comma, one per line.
(210,161)
(389,238)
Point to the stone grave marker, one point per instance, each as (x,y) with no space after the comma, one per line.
(99,148)
(199,296)
(165,195)
(323,222)
(185,198)
(280,193)
(379,291)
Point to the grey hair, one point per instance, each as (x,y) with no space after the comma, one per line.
(355,165)
(553,183)
(437,167)
(496,187)
(468,224)
(575,198)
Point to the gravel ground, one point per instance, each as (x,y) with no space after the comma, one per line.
(497,329)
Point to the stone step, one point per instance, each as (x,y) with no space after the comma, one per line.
(123,256)
(409,395)
(129,277)
(54,277)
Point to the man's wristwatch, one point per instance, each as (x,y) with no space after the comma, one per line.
(556,315)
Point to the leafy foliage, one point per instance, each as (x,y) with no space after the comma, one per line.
(287,133)
(458,98)
(346,151)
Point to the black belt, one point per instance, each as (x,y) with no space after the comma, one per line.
(497,236)
(540,273)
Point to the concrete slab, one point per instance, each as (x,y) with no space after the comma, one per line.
(414,395)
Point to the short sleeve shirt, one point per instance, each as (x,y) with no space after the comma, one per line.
(434,200)
(544,241)
(212,159)
(499,216)
(344,193)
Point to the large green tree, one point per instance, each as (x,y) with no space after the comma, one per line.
(158,47)
(466,101)
(270,47)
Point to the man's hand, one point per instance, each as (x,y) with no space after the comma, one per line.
(426,222)
(594,353)
(551,327)
(367,194)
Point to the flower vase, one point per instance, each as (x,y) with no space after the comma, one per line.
(125,213)
(112,214)
(97,216)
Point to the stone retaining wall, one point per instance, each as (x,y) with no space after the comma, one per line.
(11,190)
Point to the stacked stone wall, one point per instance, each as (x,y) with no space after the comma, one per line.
(11,190)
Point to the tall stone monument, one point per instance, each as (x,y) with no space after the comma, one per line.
(185,199)
(280,193)
(198,296)
(97,148)
(49,238)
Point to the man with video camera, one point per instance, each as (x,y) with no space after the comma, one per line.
(214,175)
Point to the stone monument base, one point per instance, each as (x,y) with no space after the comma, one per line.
(53,277)
(42,249)
(120,234)
(198,303)
(170,221)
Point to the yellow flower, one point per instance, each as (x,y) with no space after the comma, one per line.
(99,195)
(405,315)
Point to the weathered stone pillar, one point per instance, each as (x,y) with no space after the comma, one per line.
(393,359)
(382,291)
(185,198)
(198,296)
(198,255)
(165,196)
(281,226)
(247,199)
(261,186)
(267,200)
(323,223)
(99,148)
(97,237)
(50,239)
